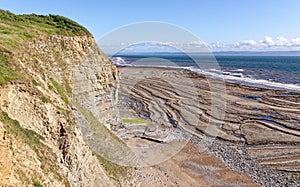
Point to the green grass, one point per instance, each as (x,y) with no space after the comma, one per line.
(67,86)
(93,121)
(52,24)
(50,87)
(15,30)
(6,73)
(45,99)
(13,127)
(69,89)
(59,90)
(114,170)
(37,184)
(113,149)
(27,35)
(35,83)
(134,121)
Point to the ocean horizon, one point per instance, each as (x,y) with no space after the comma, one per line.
(274,70)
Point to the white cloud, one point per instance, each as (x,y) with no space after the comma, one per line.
(282,40)
(249,43)
(279,43)
(268,40)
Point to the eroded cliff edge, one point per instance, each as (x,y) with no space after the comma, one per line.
(40,140)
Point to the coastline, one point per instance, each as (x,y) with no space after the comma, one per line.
(258,124)
(258,83)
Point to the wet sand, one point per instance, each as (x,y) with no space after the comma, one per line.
(260,127)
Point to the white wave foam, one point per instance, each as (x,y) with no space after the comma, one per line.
(239,70)
(240,78)
(119,61)
(224,75)
(238,74)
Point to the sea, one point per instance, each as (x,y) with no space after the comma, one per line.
(275,70)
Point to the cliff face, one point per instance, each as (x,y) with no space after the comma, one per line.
(40,140)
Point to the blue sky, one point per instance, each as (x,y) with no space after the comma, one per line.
(223,21)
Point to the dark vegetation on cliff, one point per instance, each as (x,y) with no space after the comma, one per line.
(52,24)
(17,29)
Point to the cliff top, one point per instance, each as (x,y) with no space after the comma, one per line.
(17,30)
(51,24)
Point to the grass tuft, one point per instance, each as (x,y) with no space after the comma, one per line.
(67,86)
(6,73)
(35,83)
(50,87)
(134,121)
(45,99)
(114,170)
(60,90)
(13,126)
(37,184)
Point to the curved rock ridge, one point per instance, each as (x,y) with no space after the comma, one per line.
(259,135)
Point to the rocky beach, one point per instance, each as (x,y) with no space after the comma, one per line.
(257,140)
(71,115)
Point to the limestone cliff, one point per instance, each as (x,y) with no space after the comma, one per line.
(40,140)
